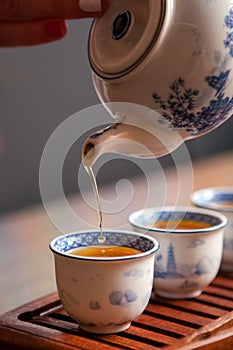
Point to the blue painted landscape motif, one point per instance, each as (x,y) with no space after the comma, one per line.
(170,268)
(117,297)
(179,108)
(229,39)
(124,298)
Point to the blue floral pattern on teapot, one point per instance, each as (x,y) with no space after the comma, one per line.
(182,99)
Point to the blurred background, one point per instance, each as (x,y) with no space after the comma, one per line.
(42,86)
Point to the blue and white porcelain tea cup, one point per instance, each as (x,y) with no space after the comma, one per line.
(190,251)
(104,294)
(219,199)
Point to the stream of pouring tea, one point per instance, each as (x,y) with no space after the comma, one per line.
(101,238)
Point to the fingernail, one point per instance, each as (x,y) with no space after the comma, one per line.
(90,5)
(55,28)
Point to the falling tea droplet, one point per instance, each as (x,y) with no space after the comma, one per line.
(101,238)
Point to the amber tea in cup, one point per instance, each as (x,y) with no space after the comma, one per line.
(104,251)
(181,224)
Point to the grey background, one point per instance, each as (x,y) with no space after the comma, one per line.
(40,87)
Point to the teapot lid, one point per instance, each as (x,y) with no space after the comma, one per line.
(123,36)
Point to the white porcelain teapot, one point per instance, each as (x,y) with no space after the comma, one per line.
(170,57)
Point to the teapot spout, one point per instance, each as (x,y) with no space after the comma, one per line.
(102,141)
(138,132)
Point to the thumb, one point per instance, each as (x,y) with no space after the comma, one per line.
(28,10)
(31,22)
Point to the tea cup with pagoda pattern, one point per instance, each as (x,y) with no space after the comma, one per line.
(191,244)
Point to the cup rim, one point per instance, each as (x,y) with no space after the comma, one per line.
(195,198)
(221,217)
(141,255)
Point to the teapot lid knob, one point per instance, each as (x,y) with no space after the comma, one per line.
(123,36)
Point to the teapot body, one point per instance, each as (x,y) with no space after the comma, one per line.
(174,57)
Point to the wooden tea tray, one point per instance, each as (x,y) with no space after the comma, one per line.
(205,322)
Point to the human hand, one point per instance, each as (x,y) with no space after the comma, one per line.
(31,22)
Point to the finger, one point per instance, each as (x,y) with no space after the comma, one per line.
(24,10)
(31,33)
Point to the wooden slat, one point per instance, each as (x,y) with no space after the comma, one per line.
(178,316)
(195,307)
(220,302)
(134,339)
(224,282)
(221,292)
(165,326)
(216,335)
(157,339)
